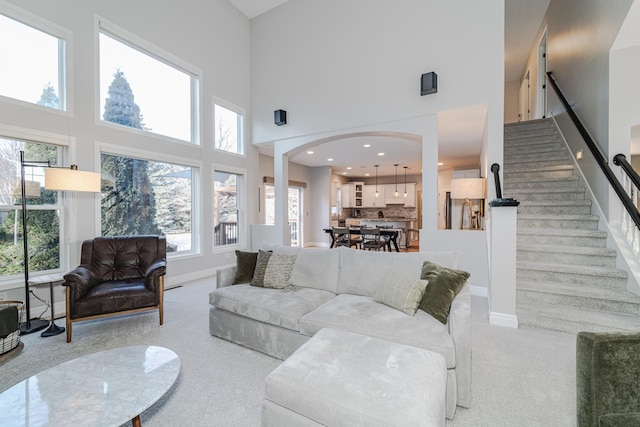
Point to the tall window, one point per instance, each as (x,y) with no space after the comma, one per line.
(32,64)
(226,208)
(139,90)
(44,210)
(148,197)
(228,132)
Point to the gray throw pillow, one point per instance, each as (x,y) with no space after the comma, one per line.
(444,285)
(261,267)
(245,266)
(279,271)
(401,293)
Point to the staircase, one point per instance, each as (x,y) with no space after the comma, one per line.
(567,278)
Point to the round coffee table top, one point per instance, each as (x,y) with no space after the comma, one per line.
(107,388)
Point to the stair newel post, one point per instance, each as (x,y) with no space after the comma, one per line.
(502,233)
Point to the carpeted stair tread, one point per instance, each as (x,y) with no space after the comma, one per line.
(559,217)
(582,202)
(574,320)
(562,288)
(579,250)
(513,182)
(607,272)
(561,232)
(550,168)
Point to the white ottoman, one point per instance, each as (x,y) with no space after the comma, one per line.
(339,378)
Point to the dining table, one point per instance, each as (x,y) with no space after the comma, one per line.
(392,237)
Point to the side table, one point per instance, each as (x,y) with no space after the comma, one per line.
(51,279)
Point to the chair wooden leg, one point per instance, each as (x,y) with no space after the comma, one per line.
(161,299)
(68,317)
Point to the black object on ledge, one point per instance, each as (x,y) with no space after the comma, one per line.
(499,201)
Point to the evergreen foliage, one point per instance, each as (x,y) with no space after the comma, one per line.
(49,97)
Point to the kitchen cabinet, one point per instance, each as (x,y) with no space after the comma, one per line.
(391,199)
(369,199)
(352,194)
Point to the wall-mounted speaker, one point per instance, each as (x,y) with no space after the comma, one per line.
(428,83)
(280,117)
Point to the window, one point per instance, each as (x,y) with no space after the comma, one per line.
(148,197)
(294,204)
(228,130)
(139,90)
(32,64)
(44,210)
(226,208)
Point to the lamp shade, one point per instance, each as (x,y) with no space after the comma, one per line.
(62,179)
(467,188)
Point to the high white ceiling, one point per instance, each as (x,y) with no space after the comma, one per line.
(459,147)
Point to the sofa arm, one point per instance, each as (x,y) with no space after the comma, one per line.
(460,331)
(155,270)
(225,276)
(80,281)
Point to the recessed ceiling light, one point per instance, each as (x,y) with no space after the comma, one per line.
(329,159)
(380,154)
(440,163)
(367,174)
(309,152)
(367,145)
(344,173)
(348,168)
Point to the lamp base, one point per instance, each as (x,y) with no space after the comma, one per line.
(52,330)
(33,325)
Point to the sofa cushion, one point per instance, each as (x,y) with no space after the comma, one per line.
(280,307)
(401,292)
(245,266)
(365,316)
(261,267)
(362,272)
(444,285)
(278,271)
(317,268)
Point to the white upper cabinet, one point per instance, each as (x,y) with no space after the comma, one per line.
(369,199)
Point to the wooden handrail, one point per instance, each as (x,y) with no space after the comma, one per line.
(597,154)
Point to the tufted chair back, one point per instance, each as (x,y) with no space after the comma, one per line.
(122,257)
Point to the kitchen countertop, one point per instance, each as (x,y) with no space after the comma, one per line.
(390,219)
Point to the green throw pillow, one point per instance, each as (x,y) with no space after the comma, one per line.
(245,266)
(401,293)
(444,285)
(261,267)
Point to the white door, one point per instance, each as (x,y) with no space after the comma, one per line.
(542,78)
(523,108)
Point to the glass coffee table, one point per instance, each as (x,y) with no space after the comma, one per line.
(108,388)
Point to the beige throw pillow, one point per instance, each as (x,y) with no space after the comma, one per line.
(278,271)
(261,266)
(401,293)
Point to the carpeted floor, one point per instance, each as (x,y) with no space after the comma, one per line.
(521,377)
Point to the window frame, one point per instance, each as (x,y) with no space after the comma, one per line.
(241,127)
(196,190)
(67,234)
(241,184)
(112,30)
(65,59)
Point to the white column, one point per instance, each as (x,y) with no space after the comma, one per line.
(281,187)
(502,229)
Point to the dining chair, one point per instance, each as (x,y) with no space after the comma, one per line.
(371,239)
(343,237)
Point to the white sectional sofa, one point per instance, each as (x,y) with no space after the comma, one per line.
(335,289)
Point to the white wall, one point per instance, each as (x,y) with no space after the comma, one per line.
(511,93)
(580,36)
(210,35)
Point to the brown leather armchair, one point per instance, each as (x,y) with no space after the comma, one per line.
(116,275)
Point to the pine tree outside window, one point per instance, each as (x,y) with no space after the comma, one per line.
(33,63)
(146,91)
(142,196)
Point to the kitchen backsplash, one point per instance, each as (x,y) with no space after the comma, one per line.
(391,211)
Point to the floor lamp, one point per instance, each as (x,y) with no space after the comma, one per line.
(55,179)
(468,189)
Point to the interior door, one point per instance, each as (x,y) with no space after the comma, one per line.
(523,107)
(542,79)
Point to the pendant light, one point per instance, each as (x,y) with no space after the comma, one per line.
(405,181)
(376,166)
(395,194)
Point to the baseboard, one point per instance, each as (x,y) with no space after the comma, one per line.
(317,245)
(479,291)
(174,281)
(501,319)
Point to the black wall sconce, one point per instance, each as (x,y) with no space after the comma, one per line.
(428,83)
(280,117)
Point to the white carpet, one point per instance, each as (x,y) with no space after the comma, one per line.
(521,377)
